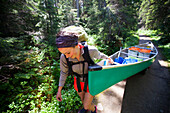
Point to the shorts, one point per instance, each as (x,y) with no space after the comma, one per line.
(81,84)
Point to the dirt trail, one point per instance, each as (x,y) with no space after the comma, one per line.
(141,93)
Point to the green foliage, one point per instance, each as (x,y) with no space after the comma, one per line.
(34,87)
(108,46)
(38,101)
(132,40)
(17,19)
(157,35)
(154,14)
(166,51)
(109,25)
(12,49)
(149,32)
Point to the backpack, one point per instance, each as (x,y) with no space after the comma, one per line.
(91,64)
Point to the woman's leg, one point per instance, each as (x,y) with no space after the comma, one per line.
(88,102)
(81,94)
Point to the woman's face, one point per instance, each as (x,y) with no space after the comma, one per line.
(72,52)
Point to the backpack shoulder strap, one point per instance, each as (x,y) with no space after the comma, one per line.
(86,56)
(92,65)
(69,66)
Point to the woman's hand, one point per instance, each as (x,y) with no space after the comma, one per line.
(110,60)
(58,96)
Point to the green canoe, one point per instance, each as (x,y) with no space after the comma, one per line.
(101,76)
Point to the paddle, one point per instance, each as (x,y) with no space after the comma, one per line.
(119,52)
(117,59)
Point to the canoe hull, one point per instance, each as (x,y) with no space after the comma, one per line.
(100,80)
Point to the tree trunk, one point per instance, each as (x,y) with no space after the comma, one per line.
(47,17)
(56,5)
(74,4)
(77,4)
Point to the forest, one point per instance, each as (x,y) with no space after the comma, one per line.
(29,59)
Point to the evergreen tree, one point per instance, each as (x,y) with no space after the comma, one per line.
(154,14)
(16,18)
(111,20)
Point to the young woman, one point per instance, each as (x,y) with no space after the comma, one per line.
(72,50)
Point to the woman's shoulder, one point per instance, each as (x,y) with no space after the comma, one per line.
(93,51)
(62,57)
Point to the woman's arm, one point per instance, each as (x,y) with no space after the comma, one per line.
(64,70)
(95,53)
(63,76)
(58,96)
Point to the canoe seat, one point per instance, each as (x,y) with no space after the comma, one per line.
(133,55)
